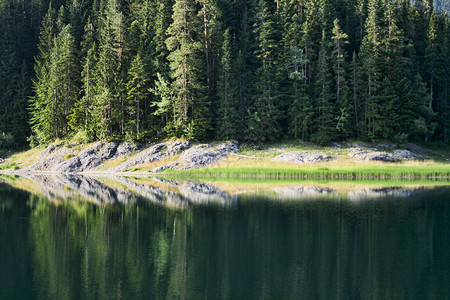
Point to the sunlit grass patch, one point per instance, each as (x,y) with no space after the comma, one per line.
(27,157)
(366,171)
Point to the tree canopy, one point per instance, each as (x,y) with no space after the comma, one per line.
(254,70)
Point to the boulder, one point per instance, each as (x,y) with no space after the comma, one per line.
(395,156)
(377,156)
(170,166)
(406,155)
(89,158)
(206,154)
(303,157)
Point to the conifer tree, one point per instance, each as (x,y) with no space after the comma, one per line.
(300,110)
(209,14)
(42,115)
(137,94)
(191,106)
(83,116)
(227,124)
(343,102)
(432,58)
(109,71)
(264,120)
(339,40)
(325,120)
(371,62)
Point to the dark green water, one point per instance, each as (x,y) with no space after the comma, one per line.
(379,248)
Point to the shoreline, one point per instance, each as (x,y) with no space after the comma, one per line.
(357,161)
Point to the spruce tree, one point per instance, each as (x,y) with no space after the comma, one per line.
(325,120)
(137,94)
(109,73)
(83,117)
(264,119)
(343,103)
(191,106)
(41,112)
(300,110)
(227,124)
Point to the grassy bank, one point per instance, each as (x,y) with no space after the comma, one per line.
(355,172)
(258,162)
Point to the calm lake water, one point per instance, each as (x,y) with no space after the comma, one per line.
(129,238)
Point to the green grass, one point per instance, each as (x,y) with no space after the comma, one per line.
(358,172)
(9,165)
(292,180)
(68,156)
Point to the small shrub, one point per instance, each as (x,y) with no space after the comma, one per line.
(81,137)
(6,141)
(68,156)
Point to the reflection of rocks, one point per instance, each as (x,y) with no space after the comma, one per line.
(302,157)
(362,193)
(122,190)
(177,193)
(305,192)
(201,193)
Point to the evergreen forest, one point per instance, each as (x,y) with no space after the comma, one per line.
(250,70)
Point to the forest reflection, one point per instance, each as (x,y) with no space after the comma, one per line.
(396,247)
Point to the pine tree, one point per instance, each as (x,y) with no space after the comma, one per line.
(227,124)
(209,14)
(381,112)
(432,58)
(343,103)
(300,110)
(109,71)
(67,74)
(137,94)
(339,40)
(264,120)
(371,62)
(191,107)
(325,120)
(42,115)
(82,118)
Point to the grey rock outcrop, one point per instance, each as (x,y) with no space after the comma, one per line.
(154,153)
(395,156)
(88,159)
(206,154)
(406,155)
(49,160)
(302,157)
(170,166)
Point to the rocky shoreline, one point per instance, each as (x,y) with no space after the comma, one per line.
(120,190)
(114,157)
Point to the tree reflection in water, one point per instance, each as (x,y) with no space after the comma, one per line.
(244,248)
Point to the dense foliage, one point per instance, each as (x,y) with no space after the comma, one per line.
(256,70)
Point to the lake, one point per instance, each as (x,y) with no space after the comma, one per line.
(73,237)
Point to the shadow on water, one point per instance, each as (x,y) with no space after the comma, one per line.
(73,237)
